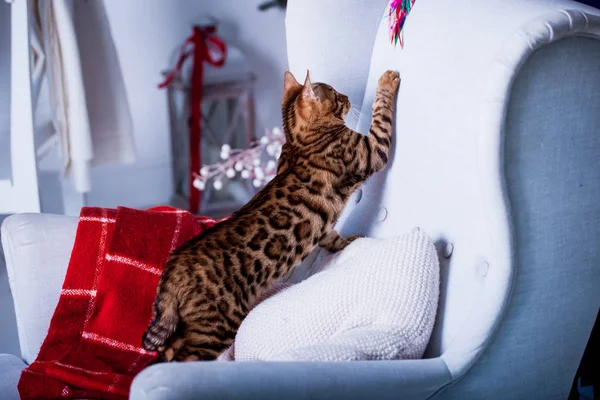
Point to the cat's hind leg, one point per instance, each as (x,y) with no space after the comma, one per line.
(164,321)
(196,343)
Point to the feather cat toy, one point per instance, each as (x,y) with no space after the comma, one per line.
(399,10)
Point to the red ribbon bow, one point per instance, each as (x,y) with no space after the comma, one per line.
(206,48)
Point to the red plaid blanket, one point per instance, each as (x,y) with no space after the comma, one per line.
(93,347)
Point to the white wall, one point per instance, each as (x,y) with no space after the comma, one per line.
(147,33)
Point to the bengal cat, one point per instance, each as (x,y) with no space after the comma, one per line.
(209,284)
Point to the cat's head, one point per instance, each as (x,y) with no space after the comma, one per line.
(313,101)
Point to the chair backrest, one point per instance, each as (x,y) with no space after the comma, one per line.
(468,168)
(334,42)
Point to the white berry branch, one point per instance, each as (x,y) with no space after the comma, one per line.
(249,163)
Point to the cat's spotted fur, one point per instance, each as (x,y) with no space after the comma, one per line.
(210,283)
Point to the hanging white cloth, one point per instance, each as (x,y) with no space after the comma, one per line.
(90,110)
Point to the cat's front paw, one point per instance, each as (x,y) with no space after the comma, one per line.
(390,80)
(353,238)
(346,242)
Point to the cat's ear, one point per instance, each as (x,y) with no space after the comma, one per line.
(289,82)
(307,90)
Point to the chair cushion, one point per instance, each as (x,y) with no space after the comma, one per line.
(376,299)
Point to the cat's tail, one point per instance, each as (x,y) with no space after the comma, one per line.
(164,323)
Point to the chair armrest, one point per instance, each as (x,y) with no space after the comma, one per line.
(10,371)
(37,248)
(410,379)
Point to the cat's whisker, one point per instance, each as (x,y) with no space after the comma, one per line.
(355,113)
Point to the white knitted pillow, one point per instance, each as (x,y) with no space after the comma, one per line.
(375,300)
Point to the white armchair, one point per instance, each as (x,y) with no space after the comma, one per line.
(496,156)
